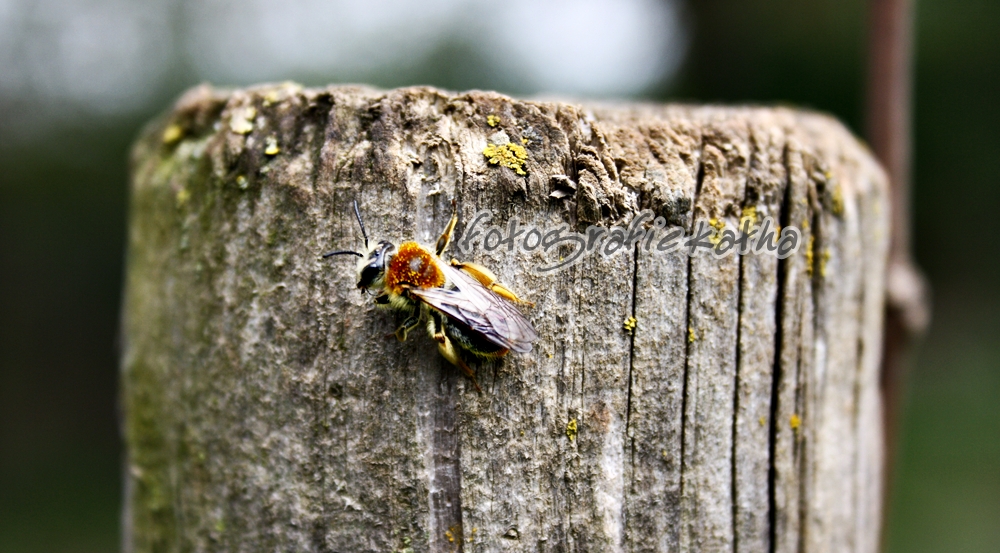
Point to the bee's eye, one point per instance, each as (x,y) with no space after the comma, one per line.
(368,276)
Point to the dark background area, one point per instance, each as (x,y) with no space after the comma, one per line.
(63,192)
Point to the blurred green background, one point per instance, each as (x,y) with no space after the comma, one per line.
(67,120)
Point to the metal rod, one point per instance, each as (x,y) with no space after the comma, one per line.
(888,121)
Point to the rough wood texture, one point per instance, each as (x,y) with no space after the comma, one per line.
(265,409)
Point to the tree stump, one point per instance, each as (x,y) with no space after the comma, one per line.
(267,409)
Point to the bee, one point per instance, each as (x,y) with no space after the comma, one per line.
(462,305)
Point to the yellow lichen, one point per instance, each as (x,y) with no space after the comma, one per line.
(492,120)
(571,430)
(810,258)
(271,147)
(718,225)
(822,262)
(749,214)
(242,182)
(629,325)
(172,134)
(691,335)
(795,422)
(837,201)
(449,535)
(524,141)
(242,120)
(183,195)
(508,155)
(763,420)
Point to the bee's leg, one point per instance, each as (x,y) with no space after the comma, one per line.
(382,299)
(445,238)
(449,352)
(489,280)
(411,322)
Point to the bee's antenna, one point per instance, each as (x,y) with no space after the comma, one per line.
(342,252)
(358,215)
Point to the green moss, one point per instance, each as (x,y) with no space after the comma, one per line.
(407,545)
(152,500)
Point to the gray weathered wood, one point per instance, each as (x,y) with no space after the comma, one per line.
(266,409)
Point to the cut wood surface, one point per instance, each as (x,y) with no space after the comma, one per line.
(268,408)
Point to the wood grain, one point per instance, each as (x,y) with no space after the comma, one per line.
(265,408)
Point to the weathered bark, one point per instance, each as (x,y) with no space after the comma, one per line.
(265,408)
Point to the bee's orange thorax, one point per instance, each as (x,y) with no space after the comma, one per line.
(413,266)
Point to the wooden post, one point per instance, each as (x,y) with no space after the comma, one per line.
(265,408)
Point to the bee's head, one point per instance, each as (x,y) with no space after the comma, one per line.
(371,267)
(373,263)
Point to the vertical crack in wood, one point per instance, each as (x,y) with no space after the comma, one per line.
(687,349)
(319,141)
(445,482)
(322,411)
(736,407)
(810,411)
(782,271)
(628,397)
(573,460)
(631,354)
(803,443)
(800,454)
(736,376)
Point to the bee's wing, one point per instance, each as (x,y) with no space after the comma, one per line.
(483,311)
